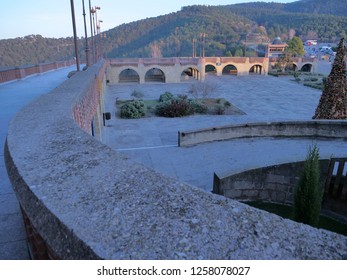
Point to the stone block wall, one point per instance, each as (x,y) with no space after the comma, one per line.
(271,183)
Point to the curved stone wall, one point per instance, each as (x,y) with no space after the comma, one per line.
(85,201)
(321,128)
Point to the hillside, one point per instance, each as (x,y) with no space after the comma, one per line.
(228,28)
(173,34)
(218,30)
(331,7)
(279,19)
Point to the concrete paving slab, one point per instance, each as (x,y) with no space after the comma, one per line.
(14,95)
(16,250)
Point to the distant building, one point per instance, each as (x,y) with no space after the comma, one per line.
(276,49)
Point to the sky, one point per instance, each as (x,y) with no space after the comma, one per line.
(52,18)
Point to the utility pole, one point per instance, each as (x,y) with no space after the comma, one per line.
(75,34)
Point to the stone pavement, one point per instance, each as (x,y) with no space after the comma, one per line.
(153,141)
(14,95)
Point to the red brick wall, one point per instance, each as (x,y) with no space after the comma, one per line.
(84,110)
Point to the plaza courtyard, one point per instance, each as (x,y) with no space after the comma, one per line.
(153,140)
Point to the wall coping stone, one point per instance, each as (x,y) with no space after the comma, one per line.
(335,129)
(90,202)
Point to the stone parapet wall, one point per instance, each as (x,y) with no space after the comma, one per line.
(11,74)
(84,201)
(313,129)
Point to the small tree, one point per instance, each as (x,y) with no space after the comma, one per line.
(308,195)
(295,47)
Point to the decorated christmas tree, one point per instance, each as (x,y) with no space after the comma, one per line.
(332,104)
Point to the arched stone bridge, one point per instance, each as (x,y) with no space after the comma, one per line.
(177,69)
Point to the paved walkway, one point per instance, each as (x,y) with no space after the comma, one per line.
(14,96)
(153,141)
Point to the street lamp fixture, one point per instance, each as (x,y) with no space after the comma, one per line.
(75,34)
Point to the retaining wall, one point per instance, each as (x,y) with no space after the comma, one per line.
(322,128)
(271,183)
(81,200)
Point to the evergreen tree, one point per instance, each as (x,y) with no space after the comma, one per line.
(332,104)
(308,195)
(295,47)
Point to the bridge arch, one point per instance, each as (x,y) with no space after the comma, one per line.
(256,69)
(230,69)
(306,67)
(155,75)
(129,76)
(210,69)
(190,73)
(292,67)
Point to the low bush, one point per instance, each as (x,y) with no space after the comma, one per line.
(177,107)
(198,107)
(133,110)
(219,109)
(166,97)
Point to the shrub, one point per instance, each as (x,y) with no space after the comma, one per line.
(309,193)
(166,97)
(177,107)
(133,110)
(198,107)
(219,109)
(227,104)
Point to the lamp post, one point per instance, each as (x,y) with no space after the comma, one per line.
(86,35)
(91,29)
(93,12)
(75,34)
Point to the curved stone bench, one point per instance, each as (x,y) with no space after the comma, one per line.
(317,128)
(81,200)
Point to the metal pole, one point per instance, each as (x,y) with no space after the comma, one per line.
(86,35)
(75,34)
(91,29)
(94,35)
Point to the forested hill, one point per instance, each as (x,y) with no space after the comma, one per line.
(224,29)
(331,7)
(34,49)
(310,19)
(173,34)
(227,28)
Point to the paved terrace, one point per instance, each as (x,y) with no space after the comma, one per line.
(87,201)
(153,141)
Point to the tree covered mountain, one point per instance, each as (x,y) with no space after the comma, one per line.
(214,30)
(34,49)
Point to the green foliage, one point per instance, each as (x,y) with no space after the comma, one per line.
(295,47)
(35,49)
(219,109)
(173,108)
(309,193)
(198,107)
(167,96)
(133,110)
